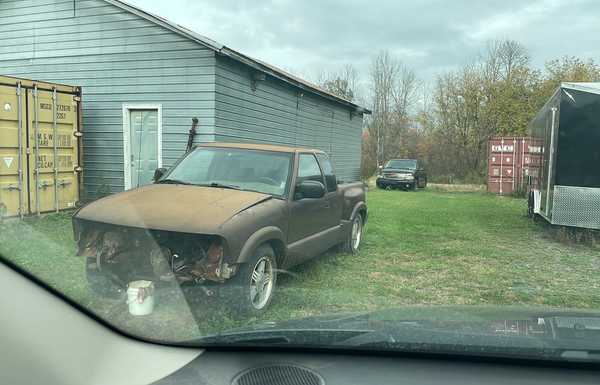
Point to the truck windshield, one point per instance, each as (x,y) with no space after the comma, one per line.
(261,171)
(402,163)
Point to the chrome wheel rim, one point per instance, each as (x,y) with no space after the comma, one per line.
(261,283)
(356,233)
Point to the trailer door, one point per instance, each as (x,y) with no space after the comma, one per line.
(550,140)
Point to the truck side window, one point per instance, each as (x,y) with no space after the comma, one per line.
(308,169)
(328,172)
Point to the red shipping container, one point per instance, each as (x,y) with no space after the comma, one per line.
(512,162)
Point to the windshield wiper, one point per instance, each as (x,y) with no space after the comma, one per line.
(222,185)
(172,181)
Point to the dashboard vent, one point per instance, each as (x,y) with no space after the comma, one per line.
(278,375)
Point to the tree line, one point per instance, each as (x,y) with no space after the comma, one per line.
(447,123)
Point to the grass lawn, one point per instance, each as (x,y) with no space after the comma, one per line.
(432,247)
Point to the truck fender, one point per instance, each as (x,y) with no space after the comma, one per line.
(258,238)
(360,206)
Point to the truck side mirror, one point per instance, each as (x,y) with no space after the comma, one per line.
(310,189)
(158,173)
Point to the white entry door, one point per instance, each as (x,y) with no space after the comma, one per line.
(142,136)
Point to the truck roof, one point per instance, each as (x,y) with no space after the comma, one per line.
(256,146)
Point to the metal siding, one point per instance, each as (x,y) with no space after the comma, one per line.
(117,58)
(276,113)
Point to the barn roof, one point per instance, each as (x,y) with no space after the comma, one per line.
(238,56)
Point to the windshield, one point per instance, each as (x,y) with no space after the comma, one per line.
(260,171)
(383,175)
(402,164)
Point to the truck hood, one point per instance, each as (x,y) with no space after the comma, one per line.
(181,208)
(400,170)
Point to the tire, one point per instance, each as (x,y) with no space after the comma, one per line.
(531,205)
(247,297)
(413,187)
(352,244)
(424,184)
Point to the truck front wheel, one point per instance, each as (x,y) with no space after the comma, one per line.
(255,281)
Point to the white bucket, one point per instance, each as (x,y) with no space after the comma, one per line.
(140,297)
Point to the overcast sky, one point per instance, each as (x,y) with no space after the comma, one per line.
(431,36)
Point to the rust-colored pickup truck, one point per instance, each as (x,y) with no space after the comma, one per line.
(225,215)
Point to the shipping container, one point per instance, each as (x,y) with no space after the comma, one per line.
(40,147)
(512,162)
(567,130)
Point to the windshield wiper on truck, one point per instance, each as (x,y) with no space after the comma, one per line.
(172,181)
(222,185)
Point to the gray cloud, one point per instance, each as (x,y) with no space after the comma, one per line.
(431,36)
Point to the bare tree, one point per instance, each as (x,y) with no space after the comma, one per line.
(395,94)
(343,82)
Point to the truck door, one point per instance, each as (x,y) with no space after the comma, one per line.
(332,195)
(308,217)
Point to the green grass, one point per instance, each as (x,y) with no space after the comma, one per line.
(432,247)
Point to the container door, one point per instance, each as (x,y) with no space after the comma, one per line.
(13,137)
(53,151)
(144,146)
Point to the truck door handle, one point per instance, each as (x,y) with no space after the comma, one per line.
(326,205)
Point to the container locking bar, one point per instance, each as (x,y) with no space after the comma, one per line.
(20,141)
(36,116)
(45,184)
(55,147)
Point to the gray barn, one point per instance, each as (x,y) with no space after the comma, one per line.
(144,78)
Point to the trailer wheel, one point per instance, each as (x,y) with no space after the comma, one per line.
(531,205)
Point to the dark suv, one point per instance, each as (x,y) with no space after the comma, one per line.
(402,173)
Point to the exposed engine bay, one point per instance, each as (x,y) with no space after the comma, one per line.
(125,254)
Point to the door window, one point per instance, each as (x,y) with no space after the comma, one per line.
(330,179)
(308,169)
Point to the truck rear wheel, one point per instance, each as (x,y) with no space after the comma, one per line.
(254,284)
(354,239)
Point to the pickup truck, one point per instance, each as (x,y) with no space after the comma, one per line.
(402,173)
(225,215)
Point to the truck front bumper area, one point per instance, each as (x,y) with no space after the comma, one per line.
(402,183)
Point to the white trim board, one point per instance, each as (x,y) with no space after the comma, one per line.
(127,137)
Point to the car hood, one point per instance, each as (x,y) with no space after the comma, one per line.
(181,208)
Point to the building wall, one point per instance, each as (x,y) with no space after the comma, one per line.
(117,58)
(273,112)
(120,58)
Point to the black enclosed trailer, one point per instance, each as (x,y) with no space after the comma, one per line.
(566,132)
